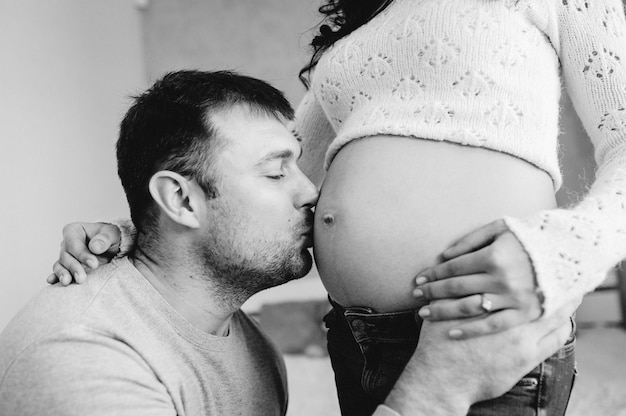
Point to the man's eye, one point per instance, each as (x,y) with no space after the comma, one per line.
(275,177)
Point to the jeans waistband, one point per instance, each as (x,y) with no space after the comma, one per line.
(366,324)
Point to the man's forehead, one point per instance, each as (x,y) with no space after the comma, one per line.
(262,134)
(244,113)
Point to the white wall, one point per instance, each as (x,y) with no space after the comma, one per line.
(66,68)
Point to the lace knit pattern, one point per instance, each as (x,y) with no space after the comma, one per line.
(488,73)
(128,236)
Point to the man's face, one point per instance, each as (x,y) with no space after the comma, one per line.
(259,226)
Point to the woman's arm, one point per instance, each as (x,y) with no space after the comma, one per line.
(558,254)
(87,245)
(573,249)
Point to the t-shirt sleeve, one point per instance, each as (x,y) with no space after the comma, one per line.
(74,376)
(313,130)
(572,249)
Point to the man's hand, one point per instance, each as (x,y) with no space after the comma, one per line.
(84,246)
(445,376)
(487,273)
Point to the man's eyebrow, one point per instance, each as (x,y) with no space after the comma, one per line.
(279,154)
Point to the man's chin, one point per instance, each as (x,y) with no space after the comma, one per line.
(303,267)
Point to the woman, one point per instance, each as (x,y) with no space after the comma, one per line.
(438,119)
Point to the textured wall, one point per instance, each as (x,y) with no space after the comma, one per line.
(266,39)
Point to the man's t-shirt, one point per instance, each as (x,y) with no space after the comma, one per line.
(114,346)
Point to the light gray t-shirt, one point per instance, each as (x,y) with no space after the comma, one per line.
(114,346)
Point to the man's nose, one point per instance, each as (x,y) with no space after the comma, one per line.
(308,194)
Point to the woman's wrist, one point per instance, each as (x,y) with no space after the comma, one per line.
(128,236)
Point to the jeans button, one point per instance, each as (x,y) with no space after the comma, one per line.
(358,325)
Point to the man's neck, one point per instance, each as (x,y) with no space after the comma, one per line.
(186,290)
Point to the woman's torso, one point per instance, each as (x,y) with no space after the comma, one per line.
(457,72)
(396,203)
(475,72)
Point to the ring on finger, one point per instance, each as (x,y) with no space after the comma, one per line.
(485,303)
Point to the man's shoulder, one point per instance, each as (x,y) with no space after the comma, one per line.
(52,359)
(58,310)
(58,303)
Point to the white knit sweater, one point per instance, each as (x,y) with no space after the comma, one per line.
(487,73)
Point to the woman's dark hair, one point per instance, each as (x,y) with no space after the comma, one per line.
(342,17)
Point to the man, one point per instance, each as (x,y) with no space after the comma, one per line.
(222,211)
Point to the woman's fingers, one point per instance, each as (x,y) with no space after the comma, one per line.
(89,241)
(74,244)
(52,279)
(471,263)
(105,241)
(73,266)
(466,307)
(489,324)
(475,240)
(84,246)
(457,287)
(63,275)
(74,249)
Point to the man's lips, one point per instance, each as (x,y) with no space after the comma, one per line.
(308,237)
(308,229)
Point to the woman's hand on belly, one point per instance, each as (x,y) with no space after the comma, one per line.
(486,276)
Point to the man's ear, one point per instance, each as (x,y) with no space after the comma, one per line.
(174,193)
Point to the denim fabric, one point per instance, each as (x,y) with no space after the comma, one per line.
(369,350)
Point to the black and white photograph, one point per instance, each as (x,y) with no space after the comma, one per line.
(313,207)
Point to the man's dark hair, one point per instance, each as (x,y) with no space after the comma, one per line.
(169,127)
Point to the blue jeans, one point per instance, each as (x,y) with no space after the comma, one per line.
(368,351)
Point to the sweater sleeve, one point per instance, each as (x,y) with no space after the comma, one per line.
(128,236)
(572,249)
(313,130)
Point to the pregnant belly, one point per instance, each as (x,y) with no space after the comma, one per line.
(389,206)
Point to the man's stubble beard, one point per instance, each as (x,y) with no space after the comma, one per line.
(237,272)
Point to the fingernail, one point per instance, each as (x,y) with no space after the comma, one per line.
(424,312)
(455,333)
(421,280)
(92,263)
(98,245)
(418,293)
